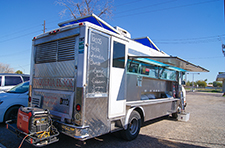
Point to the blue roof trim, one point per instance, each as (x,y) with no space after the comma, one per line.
(149,61)
(92,19)
(146,41)
(176,68)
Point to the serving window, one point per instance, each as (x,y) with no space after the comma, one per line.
(150,70)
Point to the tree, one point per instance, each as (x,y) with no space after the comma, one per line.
(19,72)
(201,83)
(5,68)
(79,8)
(220,84)
(217,84)
(188,83)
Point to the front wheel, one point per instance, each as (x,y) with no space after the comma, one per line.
(134,125)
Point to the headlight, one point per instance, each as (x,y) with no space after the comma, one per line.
(1,102)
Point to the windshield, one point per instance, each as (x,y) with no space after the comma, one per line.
(21,88)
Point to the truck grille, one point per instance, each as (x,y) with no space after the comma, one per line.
(55,51)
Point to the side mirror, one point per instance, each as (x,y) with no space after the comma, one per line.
(183,83)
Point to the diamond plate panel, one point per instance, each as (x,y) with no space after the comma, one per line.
(54,101)
(64,69)
(96,116)
(54,83)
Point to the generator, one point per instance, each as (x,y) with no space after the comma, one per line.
(33,120)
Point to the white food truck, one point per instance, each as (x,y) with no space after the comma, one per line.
(94,79)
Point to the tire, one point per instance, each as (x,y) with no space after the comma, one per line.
(134,125)
(11,113)
(175,115)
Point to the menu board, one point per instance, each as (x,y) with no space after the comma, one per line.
(98,65)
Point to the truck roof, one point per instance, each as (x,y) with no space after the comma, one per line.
(99,22)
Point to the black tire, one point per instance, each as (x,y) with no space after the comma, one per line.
(11,113)
(134,125)
(175,115)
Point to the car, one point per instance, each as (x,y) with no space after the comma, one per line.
(9,80)
(10,101)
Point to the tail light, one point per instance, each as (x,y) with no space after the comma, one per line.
(78,107)
(54,32)
(29,99)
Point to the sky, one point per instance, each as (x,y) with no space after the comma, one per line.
(193,30)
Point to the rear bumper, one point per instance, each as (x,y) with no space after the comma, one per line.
(77,132)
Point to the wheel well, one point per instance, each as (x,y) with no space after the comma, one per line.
(9,108)
(139,110)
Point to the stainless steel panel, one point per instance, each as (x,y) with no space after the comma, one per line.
(54,83)
(64,69)
(58,101)
(156,108)
(96,116)
(149,85)
(159,109)
(133,91)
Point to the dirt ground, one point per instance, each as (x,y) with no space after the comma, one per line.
(206,128)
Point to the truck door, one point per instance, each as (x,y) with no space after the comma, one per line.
(117,101)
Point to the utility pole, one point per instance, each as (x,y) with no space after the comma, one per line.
(223,48)
(44,27)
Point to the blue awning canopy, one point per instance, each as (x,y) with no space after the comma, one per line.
(173,63)
(92,19)
(152,62)
(157,63)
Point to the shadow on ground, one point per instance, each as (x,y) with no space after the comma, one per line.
(104,141)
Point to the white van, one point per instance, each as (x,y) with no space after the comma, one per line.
(9,80)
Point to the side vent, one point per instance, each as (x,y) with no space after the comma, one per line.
(46,53)
(66,49)
(36,101)
(55,51)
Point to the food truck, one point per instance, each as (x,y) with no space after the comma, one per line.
(95,79)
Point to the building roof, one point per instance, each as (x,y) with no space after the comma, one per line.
(220,76)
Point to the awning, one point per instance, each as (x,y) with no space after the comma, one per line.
(175,62)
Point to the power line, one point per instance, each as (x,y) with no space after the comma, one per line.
(197,38)
(146,6)
(197,41)
(128,3)
(206,57)
(17,53)
(19,36)
(21,66)
(163,9)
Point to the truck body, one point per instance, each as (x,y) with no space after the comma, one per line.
(94,79)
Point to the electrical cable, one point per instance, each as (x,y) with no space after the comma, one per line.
(169,8)
(146,6)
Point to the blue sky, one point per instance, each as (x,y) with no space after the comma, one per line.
(193,30)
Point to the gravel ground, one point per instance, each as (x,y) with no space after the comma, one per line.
(204,129)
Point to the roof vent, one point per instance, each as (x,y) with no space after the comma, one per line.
(123,32)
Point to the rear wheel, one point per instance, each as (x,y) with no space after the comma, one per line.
(175,115)
(134,125)
(11,113)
